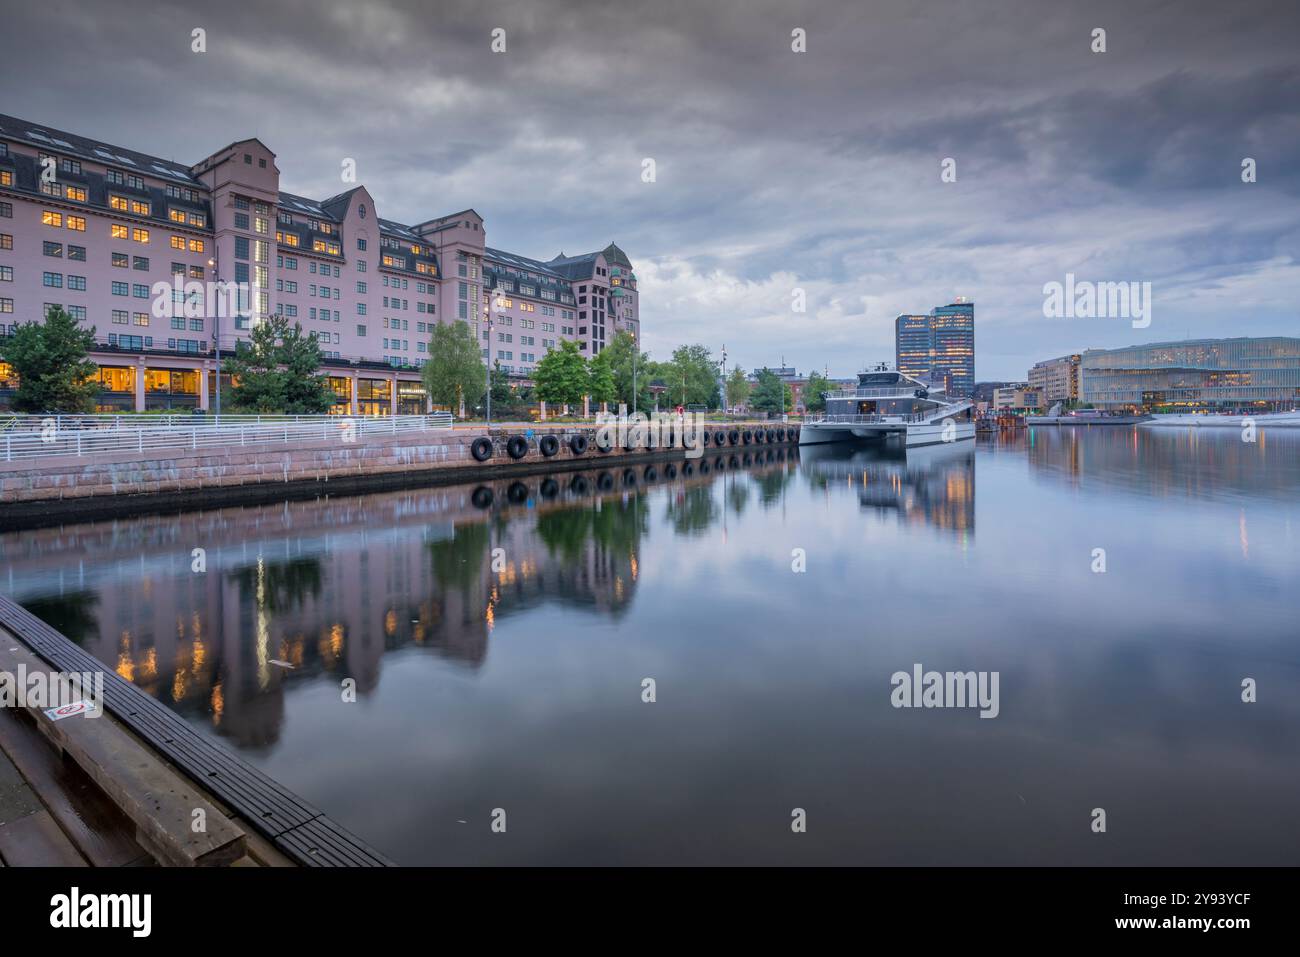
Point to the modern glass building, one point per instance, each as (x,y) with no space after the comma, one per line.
(940,347)
(1260,374)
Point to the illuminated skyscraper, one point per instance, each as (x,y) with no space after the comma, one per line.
(939,347)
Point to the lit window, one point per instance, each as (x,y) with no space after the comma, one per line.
(117,231)
(51,218)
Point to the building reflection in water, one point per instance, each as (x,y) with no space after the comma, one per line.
(305,589)
(1166,461)
(931,485)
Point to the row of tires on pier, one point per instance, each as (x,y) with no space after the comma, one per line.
(630,478)
(517,446)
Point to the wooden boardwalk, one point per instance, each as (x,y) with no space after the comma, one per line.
(291,825)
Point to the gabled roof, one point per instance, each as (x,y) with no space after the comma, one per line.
(57,141)
(398,229)
(519,262)
(337,206)
(442,222)
(301,204)
(615,256)
(575,267)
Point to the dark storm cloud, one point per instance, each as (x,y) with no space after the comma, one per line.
(775,170)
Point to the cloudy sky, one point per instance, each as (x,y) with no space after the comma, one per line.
(775,170)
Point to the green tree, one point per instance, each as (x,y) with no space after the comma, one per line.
(306,392)
(817,384)
(737,387)
(600,373)
(50,360)
(455,367)
(276,371)
(769,394)
(629,365)
(562,376)
(691,377)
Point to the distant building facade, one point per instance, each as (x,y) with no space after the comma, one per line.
(1057,380)
(93,228)
(1260,374)
(1017,398)
(940,347)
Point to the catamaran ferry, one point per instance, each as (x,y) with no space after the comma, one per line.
(888,405)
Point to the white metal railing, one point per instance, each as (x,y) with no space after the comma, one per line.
(35,436)
(885,419)
(901,391)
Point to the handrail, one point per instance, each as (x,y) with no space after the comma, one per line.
(885,419)
(93,434)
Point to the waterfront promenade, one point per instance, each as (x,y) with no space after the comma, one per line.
(198,465)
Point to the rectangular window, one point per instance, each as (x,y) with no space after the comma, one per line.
(78,223)
(121,259)
(52,249)
(77,283)
(196,246)
(54,280)
(77,253)
(140,262)
(120,317)
(50,218)
(140,235)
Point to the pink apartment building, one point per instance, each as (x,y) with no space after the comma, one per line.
(93,227)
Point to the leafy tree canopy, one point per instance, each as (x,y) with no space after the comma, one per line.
(50,360)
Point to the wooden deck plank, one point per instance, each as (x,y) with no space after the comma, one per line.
(98,829)
(261,802)
(37,841)
(159,803)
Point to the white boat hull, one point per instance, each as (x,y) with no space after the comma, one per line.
(912,434)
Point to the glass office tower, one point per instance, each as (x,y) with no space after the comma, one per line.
(939,347)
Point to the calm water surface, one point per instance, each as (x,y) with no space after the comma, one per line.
(521,688)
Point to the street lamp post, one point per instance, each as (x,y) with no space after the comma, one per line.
(492,301)
(216,331)
(724,378)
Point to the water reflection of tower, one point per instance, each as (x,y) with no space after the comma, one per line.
(932,485)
